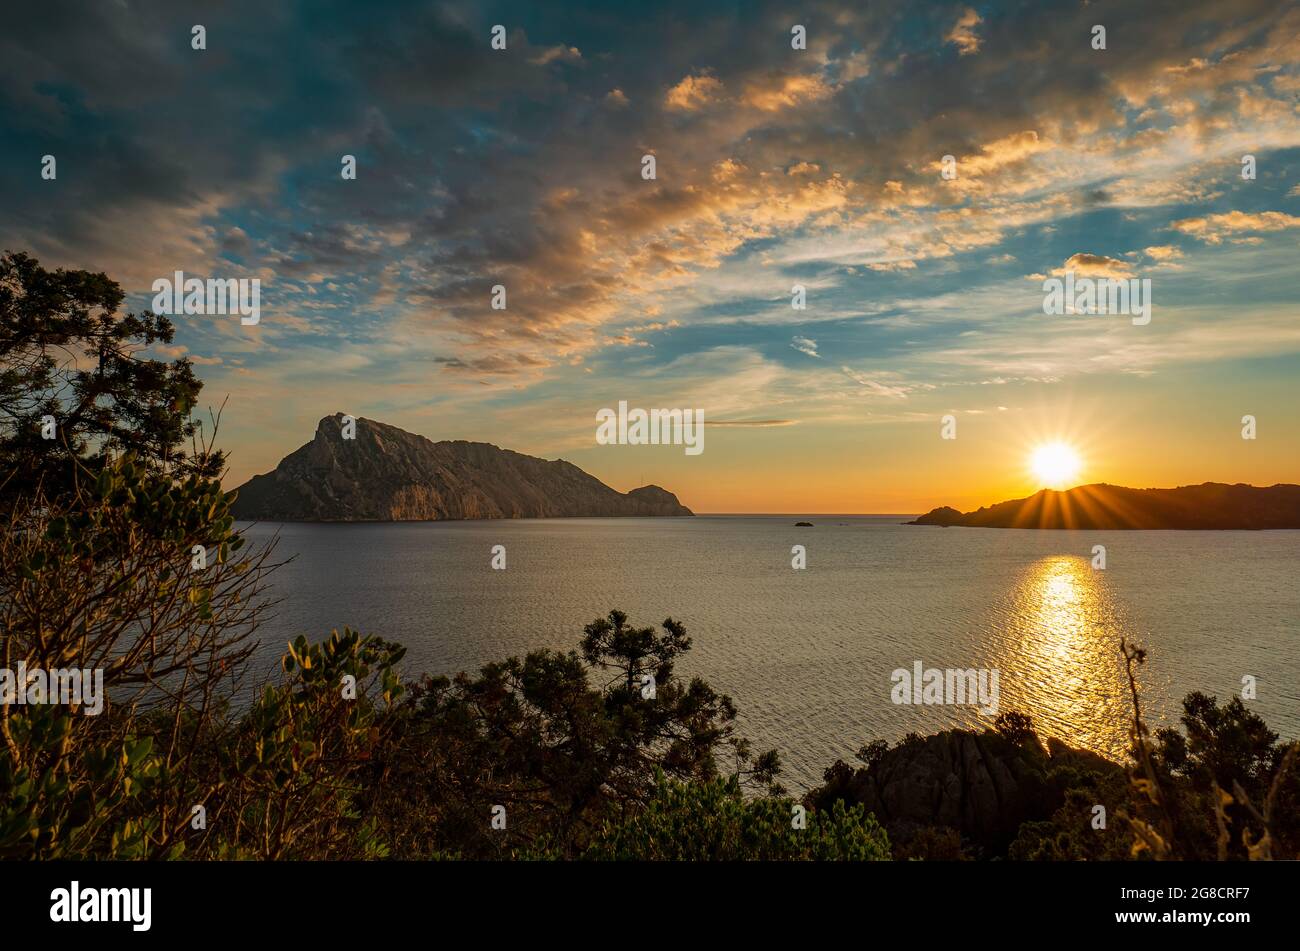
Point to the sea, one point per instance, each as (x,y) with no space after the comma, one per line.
(814,657)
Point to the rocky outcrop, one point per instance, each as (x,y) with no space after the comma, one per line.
(981,785)
(1211,505)
(943,516)
(388,474)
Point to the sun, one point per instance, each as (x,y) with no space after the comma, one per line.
(1055,465)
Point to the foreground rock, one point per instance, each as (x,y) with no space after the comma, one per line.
(388,474)
(981,786)
(1211,505)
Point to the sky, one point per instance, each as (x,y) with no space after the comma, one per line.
(821,167)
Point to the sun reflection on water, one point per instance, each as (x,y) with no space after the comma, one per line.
(1059,655)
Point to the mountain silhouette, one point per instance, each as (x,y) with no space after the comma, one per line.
(388,474)
(1210,505)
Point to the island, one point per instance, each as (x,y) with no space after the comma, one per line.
(371,471)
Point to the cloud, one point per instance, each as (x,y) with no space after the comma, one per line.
(1214,228)
(1163,253)
(166,351)
(654,326)
(963,33)
(567,54)
(874,387)
(805,345)
(780,91)
(506,363)
(772,167)
(1008,150)
(694,93)
(1084,264)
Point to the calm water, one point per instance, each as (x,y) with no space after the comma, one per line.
(807,655)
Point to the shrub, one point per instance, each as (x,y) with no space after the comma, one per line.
(713,821)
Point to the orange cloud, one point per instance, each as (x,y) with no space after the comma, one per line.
(776,92)
(694,93)
(963,33)
(568,54)
(1214,228)
(1084,264)
(998,153)
(1163,252)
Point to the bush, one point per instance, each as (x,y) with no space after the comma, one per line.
(713,821)
(1014,726)
(103,579)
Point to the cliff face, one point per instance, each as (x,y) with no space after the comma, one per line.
(1211,505)
(388,474)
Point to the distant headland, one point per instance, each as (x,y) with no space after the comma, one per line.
(1210,505)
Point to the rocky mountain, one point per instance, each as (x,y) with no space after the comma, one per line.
(1211,505)
(981,785)
(388,474)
